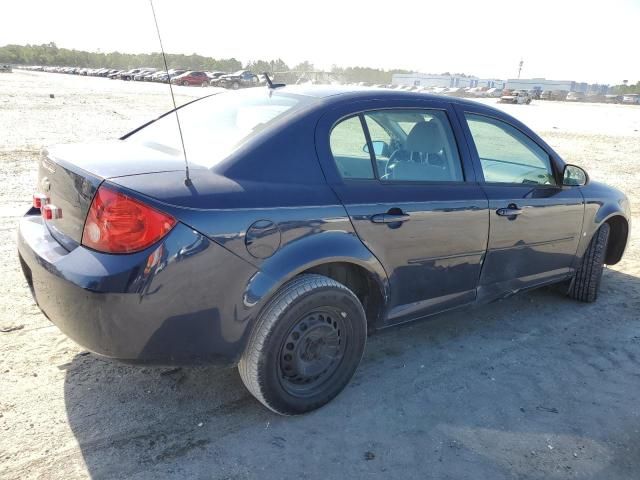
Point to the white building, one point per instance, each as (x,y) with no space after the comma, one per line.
(430,80)
(540,84)
(491,83)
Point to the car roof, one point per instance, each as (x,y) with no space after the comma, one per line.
(346,92)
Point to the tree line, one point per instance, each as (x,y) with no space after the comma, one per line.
(50,54)
(626,89)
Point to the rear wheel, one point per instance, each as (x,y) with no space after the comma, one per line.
(586,282)
(306,345)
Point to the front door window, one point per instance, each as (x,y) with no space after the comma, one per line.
(507,155)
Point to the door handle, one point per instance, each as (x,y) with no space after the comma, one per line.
(511,211)
(390,217)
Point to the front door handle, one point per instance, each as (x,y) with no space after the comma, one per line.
(511,211)
(390,217)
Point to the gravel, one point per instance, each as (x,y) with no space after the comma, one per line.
(536,386)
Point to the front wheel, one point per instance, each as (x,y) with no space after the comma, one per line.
(235,85)
(306,345)
(586,282)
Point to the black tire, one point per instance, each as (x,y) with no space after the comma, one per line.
(313,324)
(235,85)
(586,282)
(185,83)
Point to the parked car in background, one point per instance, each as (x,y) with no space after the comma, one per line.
(518,97)
(153,76)
(553,95)
(239,79)
(454,92)
(475,91)
(306,224)
(494,93)
(214,76)
(535,93)
(129,74)
(575,97)
(191,78)
(160,76)
(594,98)
(164,77)
(5,69)
(613,98)
(142,74)
(631,98)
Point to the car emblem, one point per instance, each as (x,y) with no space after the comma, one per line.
(45,184)
(48,165)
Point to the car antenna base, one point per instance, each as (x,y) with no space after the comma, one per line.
(270,84)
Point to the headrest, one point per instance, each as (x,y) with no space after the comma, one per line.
(425,137)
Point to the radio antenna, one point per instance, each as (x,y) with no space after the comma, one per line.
(187,179)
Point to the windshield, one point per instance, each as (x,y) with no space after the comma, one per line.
(215,126)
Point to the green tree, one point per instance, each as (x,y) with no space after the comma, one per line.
(305,66)
(269,66)
(51,54)
(626,89)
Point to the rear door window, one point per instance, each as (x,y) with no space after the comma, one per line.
(412,145)
(349,149)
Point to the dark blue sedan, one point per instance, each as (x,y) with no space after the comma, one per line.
(311,216)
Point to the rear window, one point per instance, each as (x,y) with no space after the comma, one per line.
(214,127)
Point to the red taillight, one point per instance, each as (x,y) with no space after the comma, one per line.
(51,212)
(117,223)
(39,200)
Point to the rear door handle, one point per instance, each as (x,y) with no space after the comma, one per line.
(390,217)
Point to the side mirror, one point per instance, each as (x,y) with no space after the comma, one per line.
(574,176)
(379,148)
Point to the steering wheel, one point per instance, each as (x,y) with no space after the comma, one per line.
(392,162)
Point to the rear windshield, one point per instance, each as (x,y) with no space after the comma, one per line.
(214,127)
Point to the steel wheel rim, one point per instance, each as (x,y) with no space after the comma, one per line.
(312,351)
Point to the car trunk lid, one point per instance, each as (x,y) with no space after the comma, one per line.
(69,176)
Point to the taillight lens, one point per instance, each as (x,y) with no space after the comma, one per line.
(117,223)
(40,200)
(51,212)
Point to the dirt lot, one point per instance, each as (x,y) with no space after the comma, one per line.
(536,386)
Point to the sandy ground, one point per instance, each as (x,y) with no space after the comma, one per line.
(535,386)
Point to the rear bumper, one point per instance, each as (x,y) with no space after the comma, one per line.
(178,302)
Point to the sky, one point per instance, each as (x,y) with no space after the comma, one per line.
(597,42)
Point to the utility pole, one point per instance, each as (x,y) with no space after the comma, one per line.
(520,67)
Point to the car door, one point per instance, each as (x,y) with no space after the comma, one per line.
(411,194)
(535,222)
